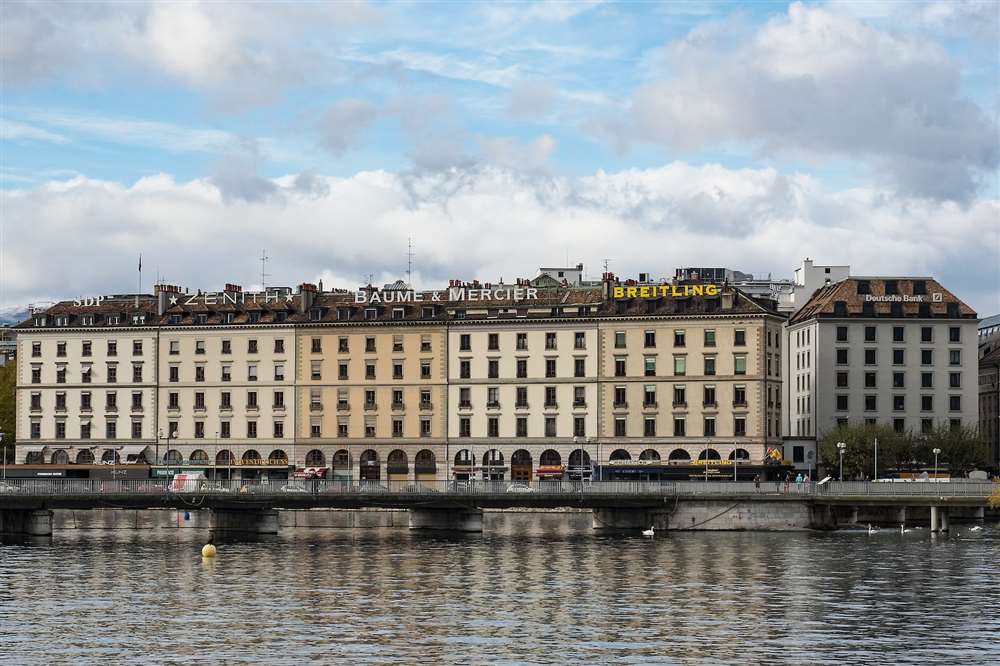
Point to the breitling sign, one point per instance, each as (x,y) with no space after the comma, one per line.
(661,290)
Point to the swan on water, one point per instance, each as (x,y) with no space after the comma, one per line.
(648,532)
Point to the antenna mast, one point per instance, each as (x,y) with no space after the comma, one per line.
(409,262)
(263,275)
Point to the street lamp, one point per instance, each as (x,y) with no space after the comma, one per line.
(4,457)
(935,452)
(159,435)
(840,449)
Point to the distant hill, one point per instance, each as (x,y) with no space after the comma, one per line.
(13,315)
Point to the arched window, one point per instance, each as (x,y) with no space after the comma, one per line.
(34,458)
(224,457)
(649,454)
(342,459)
(550,458)
(492,458)
(520,457)
(520,465)
(369,458)
(250,457)
(578,458)
(425,462)
(110,456)
(463,458)
(620,454)
(199,456)
(680,454)
(741,455)
(85,457)
(709,454)
(277,457)
(60,457)
(398,462)
(173,457)
(370,468)
(315,458)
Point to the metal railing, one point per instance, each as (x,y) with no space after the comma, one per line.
(479,488)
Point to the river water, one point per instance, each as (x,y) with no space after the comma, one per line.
(537,589)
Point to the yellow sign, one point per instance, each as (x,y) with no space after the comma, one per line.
(658,290)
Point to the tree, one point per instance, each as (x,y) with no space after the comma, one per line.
(962,449)
(895,450)
(8,422)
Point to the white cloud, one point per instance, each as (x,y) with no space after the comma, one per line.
(485,222)
(341,125)
(11,130)
(818,84)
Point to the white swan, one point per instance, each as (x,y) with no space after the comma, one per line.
(648,532)
(872,530)
(976,528)
(903,530)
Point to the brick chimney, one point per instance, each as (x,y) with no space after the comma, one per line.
(163,293)
(307,292)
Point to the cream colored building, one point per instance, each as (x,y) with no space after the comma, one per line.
(86,382)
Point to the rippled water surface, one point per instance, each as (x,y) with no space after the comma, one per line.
(531,589)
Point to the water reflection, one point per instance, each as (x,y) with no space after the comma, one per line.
(537,588)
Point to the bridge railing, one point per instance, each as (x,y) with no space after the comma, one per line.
(511,489)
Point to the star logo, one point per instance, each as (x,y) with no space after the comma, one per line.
(288,298)
(173,300)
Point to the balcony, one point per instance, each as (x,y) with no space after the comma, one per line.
(521,405)
(225,407)
(398,406)
(650,404)
(620,405)
(278,407)
(579,403)
(343,406)
(135,408)
(465,404)
(371,406)
(551,405)
(426,404)
(493,404)
(710,404)
(680,403)
(315,406)
(739,403)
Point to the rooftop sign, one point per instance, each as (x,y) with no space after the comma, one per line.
(661,290)
(452,294)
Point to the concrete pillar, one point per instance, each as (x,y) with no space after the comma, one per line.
(980,513)
(854,515)
(252,521)
(944,518)
(30,522)
(454,520)
(934,519)
(902,515)
(627,520)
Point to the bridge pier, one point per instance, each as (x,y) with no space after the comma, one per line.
(934,519)
(944,518)
(32,522)
(256,521)
(629,520)
(454,520)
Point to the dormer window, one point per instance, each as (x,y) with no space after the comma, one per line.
(254,317)
(427,312)
(138,320)
(557,311)
(864,287)
(114,320)
(230,317)
(40,320)
(371,313)
(62,320)
(584,310)
(315,314)
(202,318)
(174,320)
(460,314)
(919,287)
(891,287)
(87,320)
(492,313)
(281,316)
(952,310)
(343,314)
(522,312)
(398,313)
(840,308)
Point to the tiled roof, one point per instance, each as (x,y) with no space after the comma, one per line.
(906,302)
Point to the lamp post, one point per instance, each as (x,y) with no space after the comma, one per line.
(840,449)
(936,452)
(876,459)
(4,457)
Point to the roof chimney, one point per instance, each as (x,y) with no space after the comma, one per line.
(307,294)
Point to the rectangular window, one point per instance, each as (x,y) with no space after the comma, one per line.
(927,403)
(842,379)
(341,371)
(898,356)
(897,334)
(898,380)
(955,403)
(709,337)
(680,396)
(739,395)
(425,427)
(522,368)
(279,372)
(649,427)
(954,334)
(619,399)
(579,367)
(550,367)
(251,399)
(709,365)
(678,426)
(680,366)
(465,342)
(579,396)
(870,334)
(679,338)
(870,357)
(619,426)
(708,396)
(397,369)
(226,400)
(137,348)
(709,426)
(464,369)
(227,347)
(137,372)
(251,429)
(650,339)
(740,364)
(841,402)
(112,348)
(252,372)
(871,403)
(579,340)
(550,396)
(522,426)
(199,429)
(550,426)
(342,345)
(493,427)
(550,340)
(619,366)
(425,343)
(954,357)
(871,380)
(521,399)
(279,400)
(954,380)
(493,342)
(926,357)
(926,334)
(522,342)
(740,337)
(279,346)
(369,369)
(740,426)
(649,395)
(397,344)
(425,369)
(898,403)
(251,346)
(841,356)
(316,345)
(841,334)
(619,339)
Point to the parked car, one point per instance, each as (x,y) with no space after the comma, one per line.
(520,488)
(291,488)
(216,488)
(8,488)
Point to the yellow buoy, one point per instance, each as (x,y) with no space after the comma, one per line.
(208,550)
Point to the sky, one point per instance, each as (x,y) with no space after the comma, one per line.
(496,138)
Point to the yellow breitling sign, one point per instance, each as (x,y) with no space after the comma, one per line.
(659,290)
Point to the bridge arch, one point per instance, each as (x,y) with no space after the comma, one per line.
(620,454)
(371,469)
(709,454)
(649,454)
(680,454)
(85,457)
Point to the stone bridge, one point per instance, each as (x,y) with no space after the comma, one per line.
(26,505)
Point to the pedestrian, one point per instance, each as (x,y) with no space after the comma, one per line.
(798,482)
(756,482)
(788,479)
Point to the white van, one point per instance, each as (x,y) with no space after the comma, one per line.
(187,482)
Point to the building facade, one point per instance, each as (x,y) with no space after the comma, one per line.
(493,381)
(894,351)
